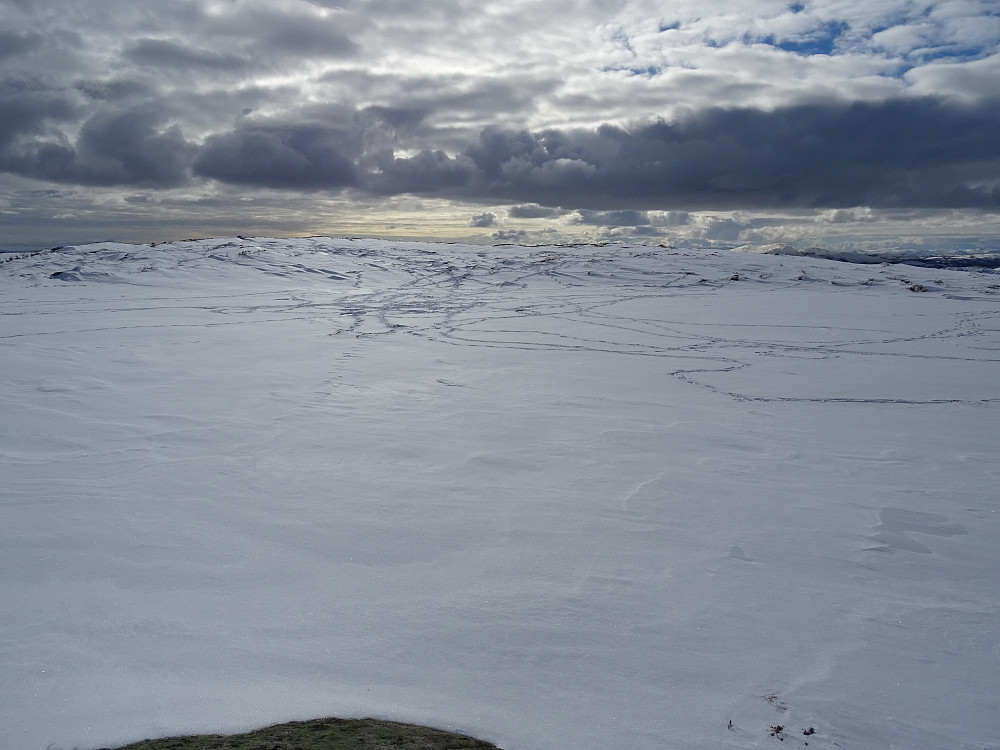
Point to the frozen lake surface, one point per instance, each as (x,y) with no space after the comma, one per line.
(564,498)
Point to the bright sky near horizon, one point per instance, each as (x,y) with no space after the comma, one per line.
(518,120)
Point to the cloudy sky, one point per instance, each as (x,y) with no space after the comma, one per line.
(737,120)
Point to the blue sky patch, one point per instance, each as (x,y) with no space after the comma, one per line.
(821,42)
(952,53)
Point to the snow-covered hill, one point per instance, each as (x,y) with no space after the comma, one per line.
(558,498)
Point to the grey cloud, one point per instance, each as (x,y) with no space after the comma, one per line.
(446,109)
(163,53)
(274,30)
(308,38)
(613,218)
(498,149)
(17,43)
(485,219)
(213,109)
(114,90)
(458,94)
(847,216)
(337,152)
(278,157)
(132,148)
(510,235)
(28,108)
(534,211)
(401,118)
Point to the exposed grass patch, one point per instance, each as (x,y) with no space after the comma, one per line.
(323,734)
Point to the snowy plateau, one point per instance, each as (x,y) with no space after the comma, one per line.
(558,498)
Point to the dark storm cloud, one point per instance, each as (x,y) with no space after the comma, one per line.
(119,148)
(912,152)
(28,108)
(427,173)
(906,152)
(278,157)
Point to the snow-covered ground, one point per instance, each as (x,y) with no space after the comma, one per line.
(602,498)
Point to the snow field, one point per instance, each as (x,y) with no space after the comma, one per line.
(553,497)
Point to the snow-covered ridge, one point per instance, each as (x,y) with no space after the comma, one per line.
(972,259)
(556,497)
(127,258)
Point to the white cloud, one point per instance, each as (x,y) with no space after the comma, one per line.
(485,219)
(972,81)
